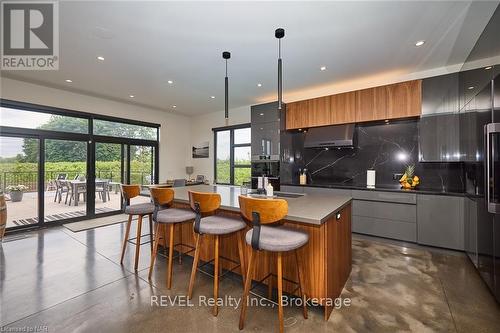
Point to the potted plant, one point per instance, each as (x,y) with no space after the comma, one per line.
(16,192)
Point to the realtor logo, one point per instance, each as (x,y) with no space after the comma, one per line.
(30,35)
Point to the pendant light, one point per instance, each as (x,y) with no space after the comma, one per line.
(280,33)
(226,55)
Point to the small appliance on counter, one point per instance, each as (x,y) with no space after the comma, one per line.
(268,169)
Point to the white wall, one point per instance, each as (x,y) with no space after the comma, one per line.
(201,130)
(175,132)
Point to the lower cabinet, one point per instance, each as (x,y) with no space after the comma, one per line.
(440,221)
(427,219)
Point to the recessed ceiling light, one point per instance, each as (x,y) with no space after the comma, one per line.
(212,97)
(259,84)
(68,80)
(420,43)
(470,88)
(131,96)
(323,68)
(100,58)
(488,68)
(170,81)
(174,106)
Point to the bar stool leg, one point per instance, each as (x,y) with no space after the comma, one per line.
(180,242)
(270,281)
(241,250)
(151,234)
(195,265)
(125,240)
(280,291)
(246,291)
(216,275)
(138,241)
(170,255)
(155,249)
(301,284)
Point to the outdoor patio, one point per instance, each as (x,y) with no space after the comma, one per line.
(25,212)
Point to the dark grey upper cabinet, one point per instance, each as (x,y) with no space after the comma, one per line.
(439,127)
(265,123)
(265,113)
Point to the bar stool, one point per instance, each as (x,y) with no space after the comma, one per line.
(207,223)
(272,239)
(164,216)
(142,209)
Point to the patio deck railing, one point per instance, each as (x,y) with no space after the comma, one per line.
(30,178)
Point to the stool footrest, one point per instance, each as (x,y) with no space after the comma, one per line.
(226,271)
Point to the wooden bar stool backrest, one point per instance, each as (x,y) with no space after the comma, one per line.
(261,211)
(162,196)
(129,192)
(208,202)
(203,204)
(269,210)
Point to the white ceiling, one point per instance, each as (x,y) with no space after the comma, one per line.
(145,44)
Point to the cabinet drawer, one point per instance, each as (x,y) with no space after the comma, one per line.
(385,210)
(385,228)
(396,197)
(334,191)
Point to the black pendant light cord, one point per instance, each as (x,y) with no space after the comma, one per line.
(226,55)
(280,33)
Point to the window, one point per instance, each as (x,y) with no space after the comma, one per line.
(124,130)
(232,154)
(43,121)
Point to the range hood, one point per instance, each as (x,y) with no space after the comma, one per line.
(340,136)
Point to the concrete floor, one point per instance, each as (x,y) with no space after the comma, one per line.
(60,281)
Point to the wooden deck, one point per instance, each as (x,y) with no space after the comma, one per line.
(26,211)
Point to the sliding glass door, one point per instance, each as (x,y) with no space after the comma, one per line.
(60,166)
(65,175)
(109,175)
(19,169)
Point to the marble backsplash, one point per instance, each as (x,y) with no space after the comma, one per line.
(387,148)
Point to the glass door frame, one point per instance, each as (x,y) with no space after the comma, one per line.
(125,163)
(90,138)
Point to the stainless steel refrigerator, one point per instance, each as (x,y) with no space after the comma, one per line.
(482,229)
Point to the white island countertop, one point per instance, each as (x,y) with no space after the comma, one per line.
(309,208)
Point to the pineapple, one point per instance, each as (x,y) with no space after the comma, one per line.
(409,180)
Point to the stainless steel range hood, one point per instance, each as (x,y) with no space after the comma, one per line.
(340,136)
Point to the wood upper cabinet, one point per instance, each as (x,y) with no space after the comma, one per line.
(400,100)
(319,112)
(296,114)
(371,104)
(308,113)
(404,99)
(343,108)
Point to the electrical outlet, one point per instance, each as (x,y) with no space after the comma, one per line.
(397,176)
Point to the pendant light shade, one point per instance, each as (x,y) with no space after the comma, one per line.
(280,33)
(226,55)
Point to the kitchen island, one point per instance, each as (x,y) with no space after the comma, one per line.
(326,258)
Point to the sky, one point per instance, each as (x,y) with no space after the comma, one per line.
(10,147)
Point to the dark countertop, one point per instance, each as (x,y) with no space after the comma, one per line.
(384,188)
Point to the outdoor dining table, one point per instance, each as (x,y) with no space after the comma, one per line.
(75,184)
